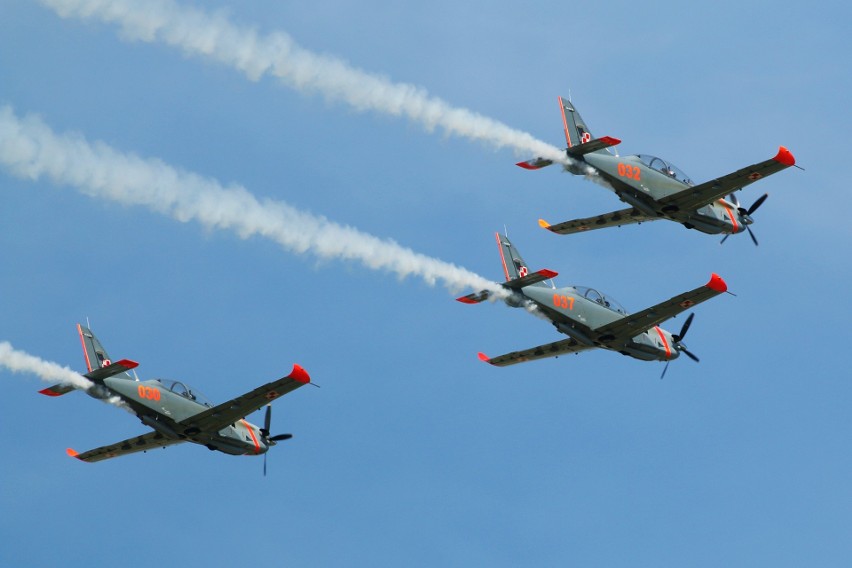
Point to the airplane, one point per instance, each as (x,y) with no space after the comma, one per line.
(655,188)
(590,318)
(175,412)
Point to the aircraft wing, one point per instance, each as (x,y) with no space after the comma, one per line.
(541,352)
(149,441)
(216,418)
(700,195)
(634,324)
(614,219)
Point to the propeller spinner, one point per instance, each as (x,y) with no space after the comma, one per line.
(745,214)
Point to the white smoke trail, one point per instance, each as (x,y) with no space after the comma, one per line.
(30,149)
(20,362)
(213,36)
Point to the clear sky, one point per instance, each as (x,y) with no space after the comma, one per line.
(414,452)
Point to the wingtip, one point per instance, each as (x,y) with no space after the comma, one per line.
(73,453)
(526,166)
(299,374)
(716,283)
(548,273)
(610,141)
(483,357)
(543,224)
(784,156)
(465,300)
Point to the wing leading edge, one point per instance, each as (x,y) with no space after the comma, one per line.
(149,441)
(554,349)
(613,219)
(700,195)
(628,327)
(229,412)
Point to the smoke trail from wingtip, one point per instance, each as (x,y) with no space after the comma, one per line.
(214,37)
(30,149)
(21,362)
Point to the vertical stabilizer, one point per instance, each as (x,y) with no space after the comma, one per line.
(94,352)
(514,266)
(575,128)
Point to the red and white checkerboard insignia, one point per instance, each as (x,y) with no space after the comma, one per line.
(522,271)
(687,304)
(271,395)
(755,176)
(586,137)
(106,363)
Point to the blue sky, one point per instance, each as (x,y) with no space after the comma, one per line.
(413,451)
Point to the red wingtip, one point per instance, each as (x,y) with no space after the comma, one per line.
(610,141)
(716,283)
(128,363)
(72,453)
(299,374)
(527,166)
(483,357)
(48,392)
(548,273)
(785,157)
(465,300)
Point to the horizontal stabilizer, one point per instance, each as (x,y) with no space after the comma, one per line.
(535,164)
(475,298)
(593,146)
(530,279)
(57,390)
(112,369)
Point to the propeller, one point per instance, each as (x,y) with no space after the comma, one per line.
(679,345)
(267,439)
(678,339)
(745,214)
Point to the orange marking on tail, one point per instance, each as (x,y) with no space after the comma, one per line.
(85,351)
(502,257)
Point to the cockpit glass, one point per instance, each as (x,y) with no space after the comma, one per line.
(600,298)
(185,391)
(666,168)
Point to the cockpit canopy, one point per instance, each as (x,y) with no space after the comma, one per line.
(602,299)
(185,391)
(665,167)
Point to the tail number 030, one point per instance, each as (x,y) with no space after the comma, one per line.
(149,392)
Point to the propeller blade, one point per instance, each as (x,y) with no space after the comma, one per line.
(757,204)
(267,421)
(264,464)
(666,368)
(751,234)
(725,238)
(689,354)
(684,329)
(733,199)
(280,437)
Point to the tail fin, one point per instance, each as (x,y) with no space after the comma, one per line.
(514,266)
(576,132)
(95,354)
